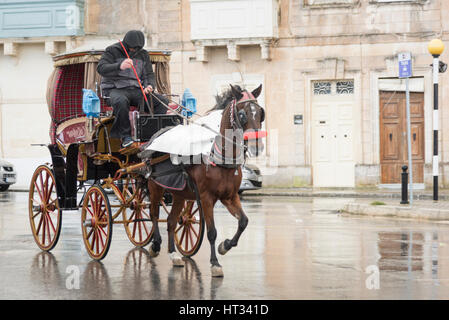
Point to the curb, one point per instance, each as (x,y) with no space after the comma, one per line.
(305,193)
(396,212)
(341,195)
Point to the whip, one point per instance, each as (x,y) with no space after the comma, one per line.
(137,77)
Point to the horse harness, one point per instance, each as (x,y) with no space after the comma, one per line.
(241,119)
(216,157)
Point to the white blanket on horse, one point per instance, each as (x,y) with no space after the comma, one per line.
(191,139)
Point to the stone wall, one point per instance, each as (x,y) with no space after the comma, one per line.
(317,39)
(338,39)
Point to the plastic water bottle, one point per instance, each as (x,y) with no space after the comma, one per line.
(188,101)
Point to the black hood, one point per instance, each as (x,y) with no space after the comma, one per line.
(134,39)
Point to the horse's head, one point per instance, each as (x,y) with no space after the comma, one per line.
(248,116)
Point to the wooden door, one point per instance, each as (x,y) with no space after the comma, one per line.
(393,136)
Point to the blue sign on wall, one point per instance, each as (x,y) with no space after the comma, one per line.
(405,64)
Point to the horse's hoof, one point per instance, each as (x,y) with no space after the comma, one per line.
(176,260)
(217,272)
(221,249)
(153,253)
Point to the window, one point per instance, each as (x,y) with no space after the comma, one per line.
(341,87)
(345,87)
(321,88)
(224,19)
(233,24)
(41,18)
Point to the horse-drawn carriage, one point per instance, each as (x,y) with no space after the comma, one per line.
(84,159)
(87,162)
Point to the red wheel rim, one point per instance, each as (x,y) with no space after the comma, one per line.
(140,229)
(44,212)
(96,223)
(189,233)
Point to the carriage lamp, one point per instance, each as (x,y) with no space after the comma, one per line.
(189,102)
(91,107)
(436,48)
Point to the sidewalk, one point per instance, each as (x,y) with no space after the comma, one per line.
(377,194)
(373,202)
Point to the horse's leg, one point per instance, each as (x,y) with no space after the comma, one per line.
(208,210)
(235,208)
(156,194)
(172,222)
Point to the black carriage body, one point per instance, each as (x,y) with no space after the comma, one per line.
(65,175)
(146,125)
(65,170)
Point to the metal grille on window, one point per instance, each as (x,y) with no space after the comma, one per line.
(345,87)
(322,87)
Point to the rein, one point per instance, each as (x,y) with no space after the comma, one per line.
(217,153)
(187,119)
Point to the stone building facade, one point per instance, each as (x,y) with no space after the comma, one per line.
(334,105)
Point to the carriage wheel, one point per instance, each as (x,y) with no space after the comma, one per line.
(96,222)
(190,231)
(43,208)
(140,229)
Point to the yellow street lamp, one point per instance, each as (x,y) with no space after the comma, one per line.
(436,47)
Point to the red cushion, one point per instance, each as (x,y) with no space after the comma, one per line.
(108,108)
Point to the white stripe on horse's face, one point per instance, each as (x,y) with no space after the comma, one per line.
(253,111)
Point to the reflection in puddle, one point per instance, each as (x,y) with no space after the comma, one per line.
(95,281)
(45,271)
(415,252)
(141,278)
(401,251)
(7,196)
(289,251)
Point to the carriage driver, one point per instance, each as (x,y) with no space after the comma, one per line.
(120,84)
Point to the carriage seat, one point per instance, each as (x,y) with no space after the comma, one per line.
(70,131)
(74,130)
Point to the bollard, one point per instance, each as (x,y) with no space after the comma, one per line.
(404,185)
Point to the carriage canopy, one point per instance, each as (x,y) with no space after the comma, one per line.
(77,70)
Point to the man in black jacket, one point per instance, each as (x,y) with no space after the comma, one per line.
(119,82)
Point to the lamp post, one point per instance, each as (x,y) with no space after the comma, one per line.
(436,48)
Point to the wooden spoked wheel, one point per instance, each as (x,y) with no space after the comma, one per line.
(140,228)
(43,208)
(190,230)
(96,222)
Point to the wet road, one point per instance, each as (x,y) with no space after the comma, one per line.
(292,249)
